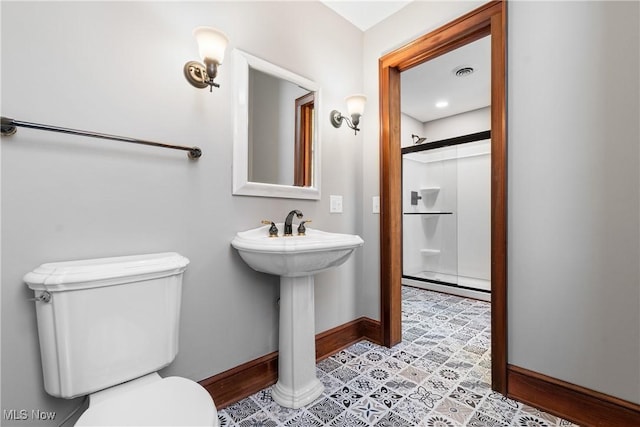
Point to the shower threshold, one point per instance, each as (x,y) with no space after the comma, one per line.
(449,283)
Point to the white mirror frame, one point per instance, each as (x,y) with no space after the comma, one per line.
(241,185)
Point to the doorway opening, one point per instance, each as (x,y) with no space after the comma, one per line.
(488,20)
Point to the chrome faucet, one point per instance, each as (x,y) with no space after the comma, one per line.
(288,231)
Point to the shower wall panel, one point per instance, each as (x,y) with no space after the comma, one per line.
(413,176)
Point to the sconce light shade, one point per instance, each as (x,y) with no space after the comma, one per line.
(355,109)
(355,104)
(211,45)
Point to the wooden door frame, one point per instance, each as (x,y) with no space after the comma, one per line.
(303,140)
(489,19)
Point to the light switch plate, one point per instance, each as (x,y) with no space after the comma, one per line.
(375,204)
(335,204)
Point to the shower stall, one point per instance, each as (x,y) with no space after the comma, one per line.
(446,215)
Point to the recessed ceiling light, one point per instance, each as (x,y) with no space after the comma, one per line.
(442,104)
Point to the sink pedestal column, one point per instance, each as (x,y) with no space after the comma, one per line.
(297,382)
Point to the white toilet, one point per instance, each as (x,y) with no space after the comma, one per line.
(106,326)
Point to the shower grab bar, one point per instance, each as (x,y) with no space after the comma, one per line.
(9,128)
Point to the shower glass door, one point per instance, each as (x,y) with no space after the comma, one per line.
(446,194)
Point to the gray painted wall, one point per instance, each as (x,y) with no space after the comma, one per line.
(116,67)
(573,183)
(574,284)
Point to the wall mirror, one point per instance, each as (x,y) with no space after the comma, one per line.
(276,144)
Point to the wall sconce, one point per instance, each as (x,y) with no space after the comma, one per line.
(355,108)
(211,44)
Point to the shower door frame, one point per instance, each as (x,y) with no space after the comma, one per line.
(489,19)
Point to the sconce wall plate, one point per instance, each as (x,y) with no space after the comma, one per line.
(196,74)
(336,118)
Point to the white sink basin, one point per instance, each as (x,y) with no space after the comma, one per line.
(295,259)
(294,256)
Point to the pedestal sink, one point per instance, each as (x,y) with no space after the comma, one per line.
(295,259)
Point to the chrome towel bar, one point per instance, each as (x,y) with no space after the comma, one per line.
(9,128)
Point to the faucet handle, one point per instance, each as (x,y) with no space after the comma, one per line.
(273,230)
(301,228)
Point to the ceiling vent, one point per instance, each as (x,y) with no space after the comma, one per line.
(463,71)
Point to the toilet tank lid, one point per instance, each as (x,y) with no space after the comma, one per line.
(59,276)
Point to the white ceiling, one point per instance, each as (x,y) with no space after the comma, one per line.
(364,14)
(434,80)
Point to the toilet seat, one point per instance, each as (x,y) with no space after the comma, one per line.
(151,401)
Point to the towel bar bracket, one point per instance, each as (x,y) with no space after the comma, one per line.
(7,128)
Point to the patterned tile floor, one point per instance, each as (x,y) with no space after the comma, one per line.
(438,376)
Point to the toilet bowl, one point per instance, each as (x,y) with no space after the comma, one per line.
(151,401)
(106,326)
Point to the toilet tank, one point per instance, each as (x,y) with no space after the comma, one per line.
(107,320)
